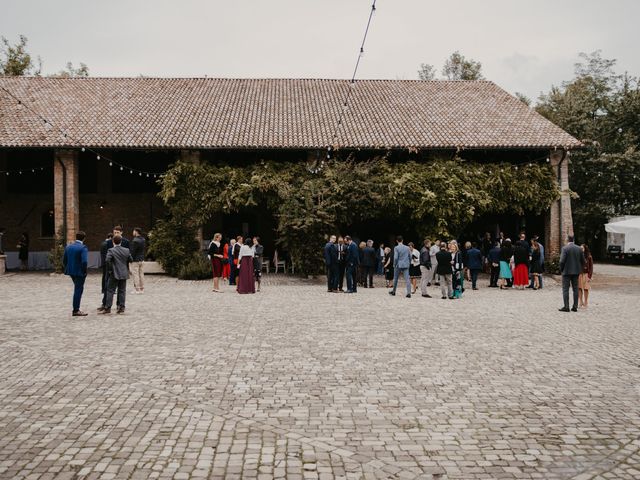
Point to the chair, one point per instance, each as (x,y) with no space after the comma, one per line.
(280,264)
(265,264)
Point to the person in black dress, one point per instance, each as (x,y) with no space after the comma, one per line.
(23,251)
(216,255)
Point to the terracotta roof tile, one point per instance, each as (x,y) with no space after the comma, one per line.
(271,113)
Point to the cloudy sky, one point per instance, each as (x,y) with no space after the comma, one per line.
(524,46)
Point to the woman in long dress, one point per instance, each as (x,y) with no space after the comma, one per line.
(584,280)
(506,252)
(226,268)
(246,283)
(215,254)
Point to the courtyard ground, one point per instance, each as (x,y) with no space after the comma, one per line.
(296,383)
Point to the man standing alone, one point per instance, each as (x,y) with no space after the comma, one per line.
(118,260)
(137,253)
(401,262)
(571,265)
(331,262)
(75,261)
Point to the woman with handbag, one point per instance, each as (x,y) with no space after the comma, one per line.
(215,254)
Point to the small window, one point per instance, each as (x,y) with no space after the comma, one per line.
(47,224)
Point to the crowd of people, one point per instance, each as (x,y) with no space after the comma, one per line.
(238,262)
(510,265)
(442,264)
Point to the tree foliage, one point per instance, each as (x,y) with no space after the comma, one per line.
(438,197)
(426,72)
(15,59)
(601,108)
(458,67)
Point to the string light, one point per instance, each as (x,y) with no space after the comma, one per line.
(50,126)
(352,85)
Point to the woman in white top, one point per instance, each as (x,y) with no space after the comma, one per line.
(414,268)
(246,282)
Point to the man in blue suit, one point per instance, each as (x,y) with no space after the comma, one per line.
(401,262)
(352,260)
(75,261)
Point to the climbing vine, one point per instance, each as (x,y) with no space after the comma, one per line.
(438,197)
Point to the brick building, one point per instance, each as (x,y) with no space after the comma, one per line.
(142,125)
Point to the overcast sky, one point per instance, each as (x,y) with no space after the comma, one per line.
(524,46)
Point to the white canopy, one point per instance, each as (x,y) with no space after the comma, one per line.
(631,225)
(630,228)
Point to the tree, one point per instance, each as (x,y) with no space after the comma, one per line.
(523,98)
(602,109)
(457,67)
(70,71)
(15,60)
(426,72)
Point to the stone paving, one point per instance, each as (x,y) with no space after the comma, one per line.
(298,383)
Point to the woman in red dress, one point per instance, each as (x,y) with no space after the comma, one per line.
(215,254)
(226,268)
(521,269)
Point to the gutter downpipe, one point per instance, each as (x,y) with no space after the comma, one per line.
(564,156)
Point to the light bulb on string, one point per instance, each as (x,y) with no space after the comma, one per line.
(140,174)
(121,169)
(97,157)
(111,164)
(82,149)
(131,172)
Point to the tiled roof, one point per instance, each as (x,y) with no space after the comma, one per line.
(270,113)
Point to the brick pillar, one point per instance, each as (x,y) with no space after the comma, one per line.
(193,156)
(68,158)
(559,221)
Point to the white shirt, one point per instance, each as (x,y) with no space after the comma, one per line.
(415,257)
(245,250)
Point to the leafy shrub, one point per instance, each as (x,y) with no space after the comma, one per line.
(196,268)
(173,244)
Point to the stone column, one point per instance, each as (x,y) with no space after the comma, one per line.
(559,221)
(193,156)
(65,163)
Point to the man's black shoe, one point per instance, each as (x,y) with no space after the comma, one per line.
(408,295)
(120,310)
(79,313)
(105,311)
(426,295)
(574,309)
(102,308)
(564,309)
(392,293)
(444,298)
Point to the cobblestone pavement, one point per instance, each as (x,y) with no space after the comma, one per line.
(298,383)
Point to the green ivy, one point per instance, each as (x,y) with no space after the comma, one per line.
(439,197)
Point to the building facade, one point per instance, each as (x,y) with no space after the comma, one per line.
(87,153)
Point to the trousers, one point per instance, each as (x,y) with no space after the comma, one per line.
(427,274)
(405,274)
(446,285)
(352,280)
(113,285)
(137,270)
(570,281)
(78,288)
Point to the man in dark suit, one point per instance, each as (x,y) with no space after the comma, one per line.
(369,263)
(331,262)
(104,248)
(118,260)
(571,265)
(342,261)
(75,261)
(352,260)
(234,261)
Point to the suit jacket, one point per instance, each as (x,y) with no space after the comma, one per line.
(330,254)
(444,263)
(124,242)
(104,248)
(474,259)
(571,259)
(353,256)
(118,260)
(368,257)
(76,259)
(401,256)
